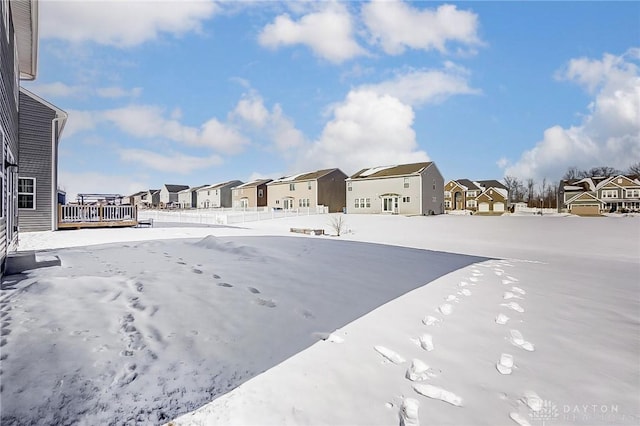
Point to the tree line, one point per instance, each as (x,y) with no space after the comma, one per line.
(545,193)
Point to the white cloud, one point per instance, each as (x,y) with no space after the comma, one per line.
(99,183)
(328,33)
(396,26)
(79,121)
(418,87)
(114,92)
(121,23)
(174,162)
(609,135)
(279,128)
(54,90)
(367,129)
(146,121)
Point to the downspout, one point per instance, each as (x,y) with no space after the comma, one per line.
(421,196)
(55,135)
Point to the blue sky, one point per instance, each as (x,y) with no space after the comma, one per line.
(203,92)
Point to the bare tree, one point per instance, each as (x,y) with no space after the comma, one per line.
(337,223)
(544,190)
(530,188)
(602,171)
(634,169)
(573,173)
(512,184)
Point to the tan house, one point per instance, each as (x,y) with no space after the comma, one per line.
(250,194)
(217,195)
(308,190)
(407,189)
(483,196)
(592,196)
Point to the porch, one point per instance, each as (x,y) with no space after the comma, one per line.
(72,216)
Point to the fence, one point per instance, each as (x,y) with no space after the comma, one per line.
(227,216)
(78,216)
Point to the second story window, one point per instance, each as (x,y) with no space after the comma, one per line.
(348,186)
(292,187)
(406,182)
(260,193)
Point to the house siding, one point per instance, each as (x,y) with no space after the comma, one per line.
(35,161)
(332,191)
(432,191)
(9,124)
(374,189)
(279,191)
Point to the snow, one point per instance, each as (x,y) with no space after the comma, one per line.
(375,170)
(401,320)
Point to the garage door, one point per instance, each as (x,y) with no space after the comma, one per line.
(483,207)
(498,207)
(585,210)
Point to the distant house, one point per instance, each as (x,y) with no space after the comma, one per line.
(217,195)
(40,127)
(308,190)
(137,198)
(482,196)
(188,198)
(408,189)
(169,194)
(151,199)
(250,194)
(592,196)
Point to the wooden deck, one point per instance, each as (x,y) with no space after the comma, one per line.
(73,216)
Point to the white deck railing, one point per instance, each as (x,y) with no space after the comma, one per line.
(227,216)
(80,213)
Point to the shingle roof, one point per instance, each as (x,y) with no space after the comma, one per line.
(304,176)
(254,183)
(220,185)
(389,171)
(491,183)
(175,188)
(469,184)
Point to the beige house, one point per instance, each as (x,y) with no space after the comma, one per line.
(188,198)
(407,189)
(217,195)
(483,196)
(250,194)
(592,196)
(308,190)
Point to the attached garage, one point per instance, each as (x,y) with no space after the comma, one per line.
(498,207)
(585,209)
(483,207)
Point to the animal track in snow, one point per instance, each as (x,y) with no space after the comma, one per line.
(389,355)
(431,320)
(254,290)
(409,412)
(518,290)
(134,303)
(435,392)
(463,284)
(502,319)
(514,306)
(451,298)
(506,282)
(519,419)
(225,285)
(196,271)
(445,309)
(216,276)
(417,371)
(517,340)
(465,292)
(533,401)
(265,302)
(512,278)
(509,295)
(474,279)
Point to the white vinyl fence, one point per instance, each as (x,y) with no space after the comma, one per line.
(226,216)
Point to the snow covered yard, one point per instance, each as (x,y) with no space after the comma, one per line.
(538,324)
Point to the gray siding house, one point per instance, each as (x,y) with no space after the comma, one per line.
(40,127)
(18,60)
(407,189)
(188,198)
(169,194)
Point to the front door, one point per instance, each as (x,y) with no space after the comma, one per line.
(458,203)
(288,203)
(390,204)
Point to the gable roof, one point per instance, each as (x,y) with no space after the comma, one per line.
(583,196)
(391,171)
(303,176)
(175,188)
(195,188)
(254,183)
(138,193)
(60,114)
(468,184)
(220,185)
(491,183)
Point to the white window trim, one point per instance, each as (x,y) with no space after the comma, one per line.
(27,193)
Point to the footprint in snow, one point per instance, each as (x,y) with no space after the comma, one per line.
(505,364)
(518,290)
(435,392)
(517,340)
(267,303)
(445,309)
(451,298)
(509,295)
(512,278)
(463,284)
(474,279)
(196,271)
(409,412)
(389,355)
(227,285)
(254,290)
(506,282)
(465,292)
(514,306)
(430,320)
(502,319)
(533,401)
(426,342)
(216,276)
(418,371)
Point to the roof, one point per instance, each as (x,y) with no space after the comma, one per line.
(468,184)
(254,183)
(60,114)
(153,191)
(304,176)
(195,188)
(175,188)
(390,171)
(220,185)
(138,193)
(24,14)
(491,183)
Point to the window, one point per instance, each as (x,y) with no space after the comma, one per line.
(303,202)
(447,204)
(434,184)
(406,199)
(406,182)
(447,194)
(357,203)
(309,185)
(610,193)
(26,193)
(472,194)
(236,192)
(348,186)
(260,193)
(216,192)
(292,187)
(633,193)
(471,203)
(277,201)
(368,202)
